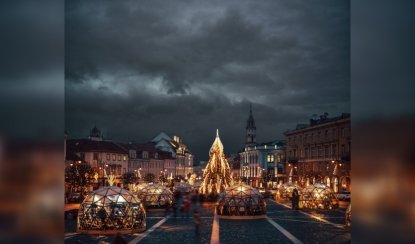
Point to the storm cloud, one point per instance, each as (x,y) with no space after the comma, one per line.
(188,67)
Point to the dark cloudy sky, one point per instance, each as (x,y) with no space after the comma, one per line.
(188,67)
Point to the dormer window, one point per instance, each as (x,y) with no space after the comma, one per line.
(156,155)
(145,154)
(133,154)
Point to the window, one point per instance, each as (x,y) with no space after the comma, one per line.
(124,170)
(145,154)
(326,151)
(270,158)
(125,158)
(119,157)
(82,155)
(119,170)
(326,135)
(156,155)
(333,150)
(95,156)
(114,157)
(343,151)
(108,156)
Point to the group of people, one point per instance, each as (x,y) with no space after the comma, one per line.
(183,204)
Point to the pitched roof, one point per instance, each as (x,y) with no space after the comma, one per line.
(148,147)
(86,145)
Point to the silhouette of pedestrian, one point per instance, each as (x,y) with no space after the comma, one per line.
(186,207)
(196,220)
(175,208)
(295,199)
(118,239)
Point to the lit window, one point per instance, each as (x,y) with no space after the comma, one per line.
(125,158)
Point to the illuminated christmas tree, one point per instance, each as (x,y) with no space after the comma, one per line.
(217,175)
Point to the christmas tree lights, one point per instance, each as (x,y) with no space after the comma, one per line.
(217,174)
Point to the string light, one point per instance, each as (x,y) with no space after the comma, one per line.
(217,174)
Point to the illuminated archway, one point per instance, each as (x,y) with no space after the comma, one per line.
(345,183)
(335,184)
(327,181)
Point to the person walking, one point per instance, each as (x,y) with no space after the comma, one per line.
(186,207)
(196,220)
(295,199)
(175,208)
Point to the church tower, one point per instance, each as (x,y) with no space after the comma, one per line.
(250,139)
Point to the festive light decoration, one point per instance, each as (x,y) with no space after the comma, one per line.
(136,188)
(111,179)
(192,179)
(318,196)
(240,200)
(217,174)
(155,196)
(111,210)
(286,190)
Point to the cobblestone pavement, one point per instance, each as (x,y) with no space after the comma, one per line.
(304,225)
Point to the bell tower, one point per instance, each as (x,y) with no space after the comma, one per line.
(250,139)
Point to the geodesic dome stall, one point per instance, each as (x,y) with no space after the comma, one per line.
(111,210)
(241,200)
(139,187)
(285,191)
(183,187)
(156,196)
(318,196)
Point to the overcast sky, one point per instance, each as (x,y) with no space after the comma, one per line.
(137,68)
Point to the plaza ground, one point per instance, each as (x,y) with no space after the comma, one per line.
(282,225)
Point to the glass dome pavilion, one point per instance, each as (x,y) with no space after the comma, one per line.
(241,200)
(111,210)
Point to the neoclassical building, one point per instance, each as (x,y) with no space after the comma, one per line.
(319,152)
(261,163)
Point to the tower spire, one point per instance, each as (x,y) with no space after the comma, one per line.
(250,129)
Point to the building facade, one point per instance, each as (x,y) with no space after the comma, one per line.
(235,165)
(104,157)
(179,151)
(319,152)
(145,159)
(261,163)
